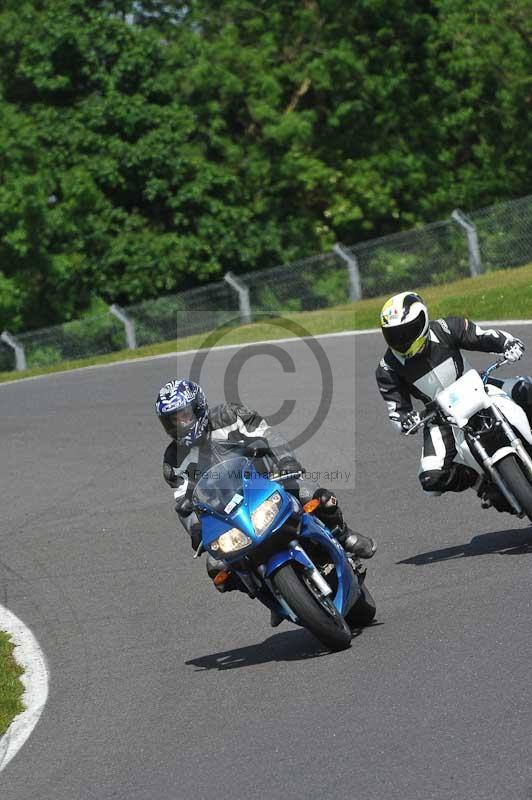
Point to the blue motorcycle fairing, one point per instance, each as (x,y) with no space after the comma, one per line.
(292,553)
(348,589)
(255,490)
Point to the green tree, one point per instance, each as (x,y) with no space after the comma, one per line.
(148,147)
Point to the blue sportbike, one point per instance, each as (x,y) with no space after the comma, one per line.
(283,555)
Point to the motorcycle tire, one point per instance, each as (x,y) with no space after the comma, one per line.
(364,610)
(330,628)
(517,482)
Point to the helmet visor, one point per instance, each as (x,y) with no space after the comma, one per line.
(401,337)
(179,422)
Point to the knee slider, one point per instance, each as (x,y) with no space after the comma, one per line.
(434,480)
(328,510)
(325,497)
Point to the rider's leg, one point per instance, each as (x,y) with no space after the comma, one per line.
(220,574)
(217,570)
(520,390)
(437,472)
(521,393)
(330,514)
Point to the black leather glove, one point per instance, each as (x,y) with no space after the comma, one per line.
(184,508)
(289,464)
(409,419)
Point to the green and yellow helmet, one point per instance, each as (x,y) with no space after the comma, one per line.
(405,323)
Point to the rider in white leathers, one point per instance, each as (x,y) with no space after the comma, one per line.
(424,357)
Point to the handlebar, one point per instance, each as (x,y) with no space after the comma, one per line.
(430,411)
(424,419)
(487,372)
(250,448)
(288,476)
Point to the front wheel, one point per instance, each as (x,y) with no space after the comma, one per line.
(317,615)
(517,482)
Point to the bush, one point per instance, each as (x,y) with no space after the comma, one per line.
(156,320)
(43,356)
(7,359)
(92,336)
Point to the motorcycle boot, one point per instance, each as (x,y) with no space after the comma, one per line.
(330,514)
(275,618)
(357,544)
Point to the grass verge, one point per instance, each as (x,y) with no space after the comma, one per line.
(504,294)
(11,688)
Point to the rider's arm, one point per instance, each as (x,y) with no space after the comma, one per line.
(467,335)
(252,424)
(178,478)
(170,465)
(394,392)
(176,469)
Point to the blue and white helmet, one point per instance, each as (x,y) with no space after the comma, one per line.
(182,409)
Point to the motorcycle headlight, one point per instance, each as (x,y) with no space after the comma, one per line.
(230,541)
(264,515)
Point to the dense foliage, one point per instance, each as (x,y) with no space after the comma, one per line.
(149,146)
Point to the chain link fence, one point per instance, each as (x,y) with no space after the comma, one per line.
(307,285)
(505,234)
(71,341)
(498,237)
(437,253)
(183,314)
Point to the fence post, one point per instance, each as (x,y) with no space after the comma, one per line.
(243,297)
(475,262)
(20,356)
(129,326)
(351,261)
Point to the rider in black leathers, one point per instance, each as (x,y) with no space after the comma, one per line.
(202,437)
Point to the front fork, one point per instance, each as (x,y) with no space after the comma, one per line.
(515,441)
(488,463)
(313,574)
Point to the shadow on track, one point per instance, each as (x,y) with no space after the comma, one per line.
(290,646)
(507,543)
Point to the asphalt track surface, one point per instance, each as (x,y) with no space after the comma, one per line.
(162,689)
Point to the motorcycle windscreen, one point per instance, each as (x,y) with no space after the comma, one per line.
(221,487)
(463,398)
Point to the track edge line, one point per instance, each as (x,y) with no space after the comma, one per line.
(35,679)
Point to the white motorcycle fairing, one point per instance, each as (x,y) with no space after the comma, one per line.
(466,397)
